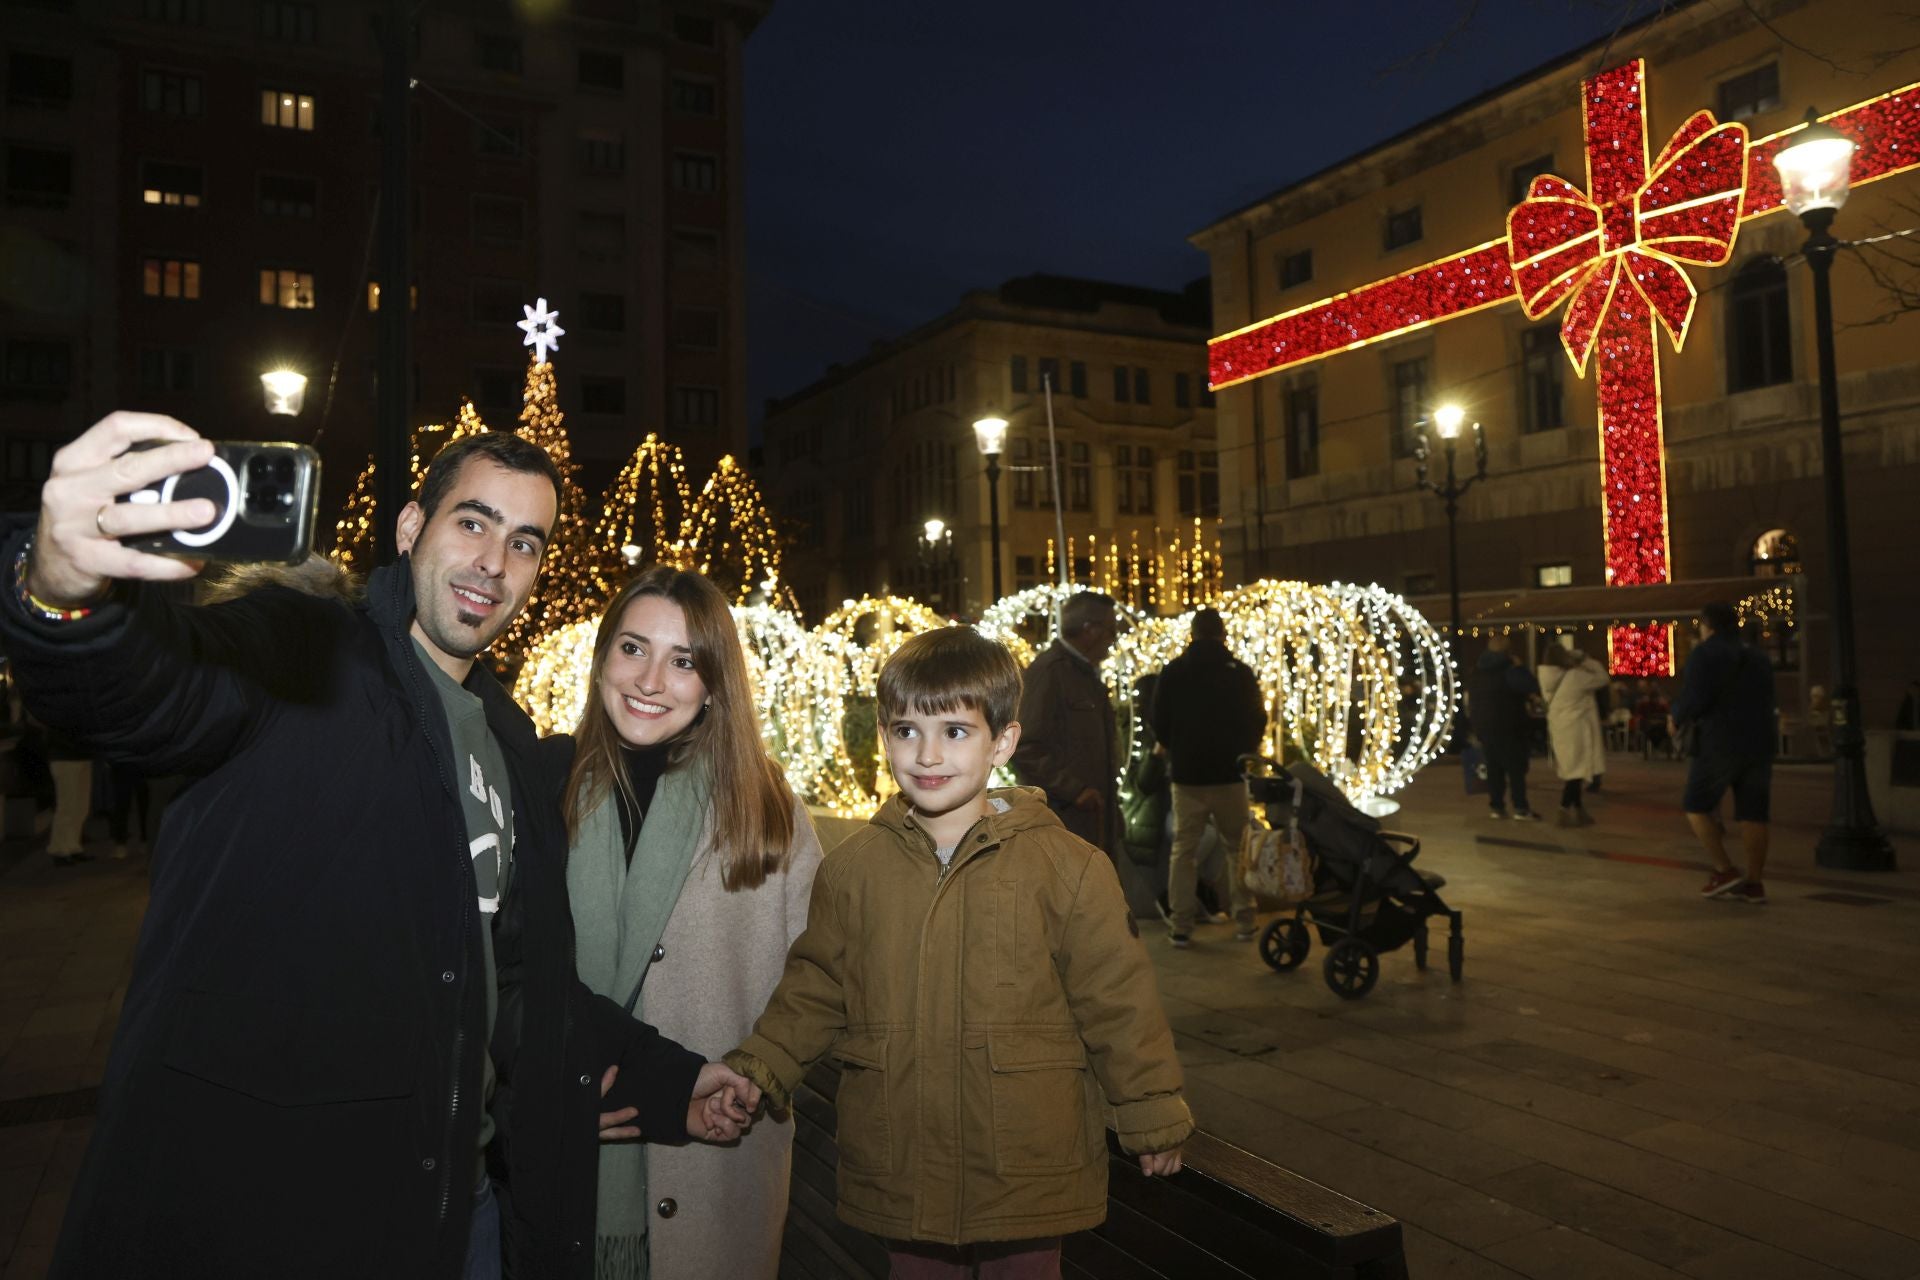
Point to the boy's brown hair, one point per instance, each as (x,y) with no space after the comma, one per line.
(948,669)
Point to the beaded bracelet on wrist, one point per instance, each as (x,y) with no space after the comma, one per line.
(33,604)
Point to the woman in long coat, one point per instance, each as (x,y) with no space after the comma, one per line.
(689,872)
(1568,681)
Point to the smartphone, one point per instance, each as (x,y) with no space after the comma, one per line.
(267,499)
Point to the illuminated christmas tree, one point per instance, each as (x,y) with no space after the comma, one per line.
(353,534)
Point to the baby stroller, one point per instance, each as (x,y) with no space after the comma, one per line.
(1367,898)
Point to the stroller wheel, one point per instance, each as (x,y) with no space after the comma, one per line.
(1284,944)
(1420,948)
(1352,967)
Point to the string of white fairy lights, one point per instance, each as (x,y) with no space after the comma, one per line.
(1354,678)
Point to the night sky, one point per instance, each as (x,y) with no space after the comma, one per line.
(900,152)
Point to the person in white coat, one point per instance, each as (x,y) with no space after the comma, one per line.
(1568,681)
(689,870)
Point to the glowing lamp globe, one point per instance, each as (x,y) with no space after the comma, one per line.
(934,528)
(991,433)
(285,390)
(1447,419)
(1816,169)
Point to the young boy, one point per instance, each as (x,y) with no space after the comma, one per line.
(976,972)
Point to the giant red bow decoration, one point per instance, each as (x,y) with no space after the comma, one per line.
(1563,242)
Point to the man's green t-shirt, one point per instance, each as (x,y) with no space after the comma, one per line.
(487,806)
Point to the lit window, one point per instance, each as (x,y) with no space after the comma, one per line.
(287,288)
(171,185)
(1553,575)
(373,296)
(170,278)
(285,109)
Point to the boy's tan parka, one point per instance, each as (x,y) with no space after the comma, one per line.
(984,1018)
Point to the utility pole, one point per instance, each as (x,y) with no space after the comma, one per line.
(392,449)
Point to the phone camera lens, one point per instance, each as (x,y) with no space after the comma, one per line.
(269,485)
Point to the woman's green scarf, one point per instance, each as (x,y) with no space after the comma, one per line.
(620,911)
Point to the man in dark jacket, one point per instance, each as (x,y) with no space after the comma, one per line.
(1067,732)
(1207,712)
(1726,689)
(301,1078)
(1497,695)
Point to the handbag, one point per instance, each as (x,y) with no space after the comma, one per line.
(1276,864)
(1473,763)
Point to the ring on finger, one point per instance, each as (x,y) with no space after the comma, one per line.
(100,522)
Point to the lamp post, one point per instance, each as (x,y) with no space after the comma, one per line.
(1447,421)
(285,392)
(991,435)
(936,550)
(1814,175)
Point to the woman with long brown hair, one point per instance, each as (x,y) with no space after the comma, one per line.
(689,872)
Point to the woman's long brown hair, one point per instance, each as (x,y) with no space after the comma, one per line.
(752,804)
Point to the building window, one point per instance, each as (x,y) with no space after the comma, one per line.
(1553,575)
(1079,477)
(373,296)
(1408,388)
(498,53)
(170,185)
(603,312)
(693,172)
(500,137)
(170,278)
(1776,553)
(1522,175)
(602,69)
(1142,388)
(1017,374)
(1750,93)
(39,178)
(1183,391)
(603,154)
(688,29)
(286,287)
(285,20)
(1199,483)
(1759,336)
(39,367)
(1122,384)
(693,97)
(1050,373)
(696,328)
(170,93)
(600,237)
(285,196)
(696,406)
(1296,268)
(603,394)
(1133,476)
(502,219)
(695,249)
(1403,227)
(497,301)
(38,80)
(1542,403)
(186,13)
(285,109)
(498,387)
(1023,473)
(166,369)
(1077,379)
(1302,417)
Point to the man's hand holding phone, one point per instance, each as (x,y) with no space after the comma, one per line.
(77,551)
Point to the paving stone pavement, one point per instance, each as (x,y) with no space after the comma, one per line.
(1630,1081)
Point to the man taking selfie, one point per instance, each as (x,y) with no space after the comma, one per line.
(353,1020)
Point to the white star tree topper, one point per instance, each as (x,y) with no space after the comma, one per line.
(542,328)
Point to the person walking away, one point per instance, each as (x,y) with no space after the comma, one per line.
(1497,693)
(1208,711)
(1727,692)
(1569,681)
(353,1008)
(72,766)
(973,968)
(689,868)
(1070,750)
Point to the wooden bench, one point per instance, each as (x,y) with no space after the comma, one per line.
(1228,1215)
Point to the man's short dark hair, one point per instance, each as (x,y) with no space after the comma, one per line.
(502,448)
(1085,607)
(1719,616)
(952,668)
(1209,625)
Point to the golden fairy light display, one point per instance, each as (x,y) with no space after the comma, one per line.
(353,533)
(1355,680)
(1183,571)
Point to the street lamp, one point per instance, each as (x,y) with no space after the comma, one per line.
(991,434)
(1814,174)
(1447,422)
(937,538)
(285,391)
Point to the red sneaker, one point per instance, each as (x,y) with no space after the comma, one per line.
(1724,882)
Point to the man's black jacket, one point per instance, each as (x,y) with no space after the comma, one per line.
(293,1089)
(1208,711)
